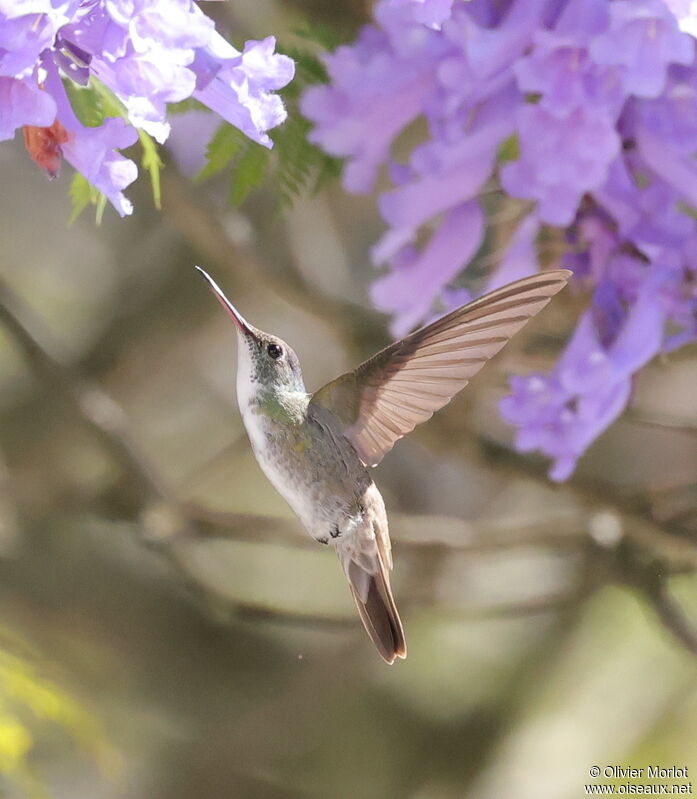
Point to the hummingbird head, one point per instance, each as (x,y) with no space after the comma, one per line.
(265,362)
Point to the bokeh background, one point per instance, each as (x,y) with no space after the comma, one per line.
(166,628)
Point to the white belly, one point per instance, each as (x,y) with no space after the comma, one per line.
(295,494)
(317,502)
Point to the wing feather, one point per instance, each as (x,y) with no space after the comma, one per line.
(384,398)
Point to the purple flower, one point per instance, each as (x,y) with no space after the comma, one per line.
(241,90)
(685,12)
(651,216)
(148,53)
(374,89)
(23,103)
(142,51)
(673,115)
(188,140)
(27,28)
(592,239)
(562,413)
(642,40)
(562,72)
(520,258)
(425,274)
(94,151)
(154,52)
(586,109)
(585,143)
(441,175)
(431,13)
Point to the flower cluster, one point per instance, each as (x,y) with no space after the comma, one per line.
(148,53)
(587,110)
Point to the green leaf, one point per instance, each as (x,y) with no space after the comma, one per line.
(330,169)
(509,150)
(82,194)
(86,102)
(297,158)
(302,167)
(94,102)
(32,710)
(184,106)
(113,107)
(686,208)
(100,206)
(328,38)
(250,171)
(152,163)
(150,159)
(226,144)
(308,70)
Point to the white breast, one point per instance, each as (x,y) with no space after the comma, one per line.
(294,493)
(245,388)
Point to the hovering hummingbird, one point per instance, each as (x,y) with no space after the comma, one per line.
(315,448)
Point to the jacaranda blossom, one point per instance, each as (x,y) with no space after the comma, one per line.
(148,53)
(584,109)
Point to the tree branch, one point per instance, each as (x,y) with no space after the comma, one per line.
(672,616)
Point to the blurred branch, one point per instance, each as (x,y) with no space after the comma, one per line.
(672,616)
(552,603)
(255,613)
(222,525)
(447,534)
(651,580)
(200,224)
(94,406)
(662,421)
(640,541)
(666,540)
(499,610)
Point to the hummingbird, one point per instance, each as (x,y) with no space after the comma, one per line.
(316,449)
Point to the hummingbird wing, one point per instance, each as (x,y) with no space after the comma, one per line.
(385,397)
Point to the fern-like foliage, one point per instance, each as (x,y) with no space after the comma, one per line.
(294,165)
(301,165)
(83,194)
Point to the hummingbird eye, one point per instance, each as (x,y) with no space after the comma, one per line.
(274,351)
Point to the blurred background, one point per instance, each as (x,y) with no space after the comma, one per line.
(167,630)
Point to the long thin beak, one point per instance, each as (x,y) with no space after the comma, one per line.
(237,317)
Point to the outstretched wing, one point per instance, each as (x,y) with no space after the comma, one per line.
(385,397)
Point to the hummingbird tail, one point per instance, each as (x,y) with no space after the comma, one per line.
(376,607)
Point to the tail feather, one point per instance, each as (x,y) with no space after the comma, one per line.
(366,558)
(376,606)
